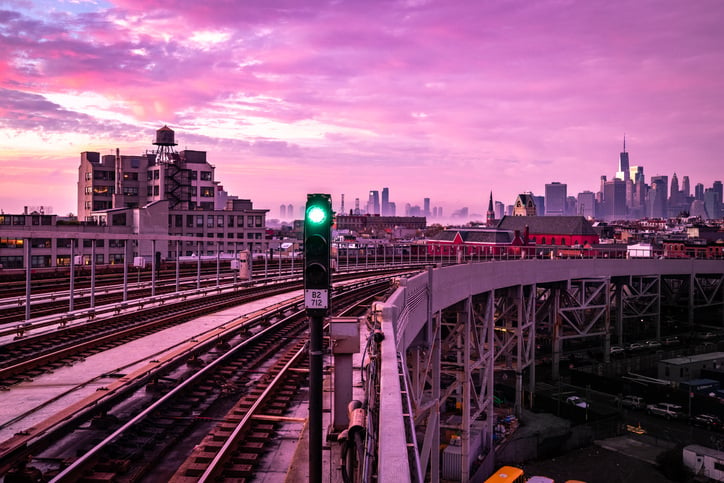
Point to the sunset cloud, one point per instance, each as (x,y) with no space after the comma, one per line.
(439,99)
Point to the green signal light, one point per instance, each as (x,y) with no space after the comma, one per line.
(316,215)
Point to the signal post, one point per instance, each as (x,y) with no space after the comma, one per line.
(317,293)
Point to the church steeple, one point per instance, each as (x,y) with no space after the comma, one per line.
(490,217)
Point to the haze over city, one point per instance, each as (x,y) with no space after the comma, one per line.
(446,100)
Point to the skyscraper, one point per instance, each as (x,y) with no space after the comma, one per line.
(587,204)
(657,197)
(426,206)
(385,201)
(712,203)
(623,172)
(556,194)
(373,203)
(699,192)
(614,200)
(685,187)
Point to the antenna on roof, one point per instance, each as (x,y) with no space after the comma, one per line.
(624,142)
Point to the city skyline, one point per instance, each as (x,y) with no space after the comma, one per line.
(441,101)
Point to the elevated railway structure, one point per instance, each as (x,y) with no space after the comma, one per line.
(449,330)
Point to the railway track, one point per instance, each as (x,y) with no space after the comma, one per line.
(229,391)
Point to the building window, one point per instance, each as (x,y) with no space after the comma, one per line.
(18,220)
(189,220)
(220,221)
(179,220)
(155,174)
(210,221)
(155,190)
(5,220)
(206,192)
(149,190)
(257,221)
(46,220)
(63,243)
(130,190)
(11,262)
(230,224)
(194,174)
(206,176)
(40,261)
(40,243)
(240,221)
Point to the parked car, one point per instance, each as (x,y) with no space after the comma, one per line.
(577,401)
(652,344)
(706,335)
(632,402)
(707,421)
(636,346)
(666,410)
(616,350)
(671,340)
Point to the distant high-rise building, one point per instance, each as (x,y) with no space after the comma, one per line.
(385,201)
(717,186)
(614,200)
(283,211)
(658,206)
(699,192)
(426,206)
(586,204)
(392,208)
(623,172)
(499,210)
(571,205)
(341,204)
(373,203)
(540,204)
(685,187)
(556,194)
(712,204)
(636,173)
(356,206)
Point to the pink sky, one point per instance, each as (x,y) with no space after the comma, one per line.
(441,99)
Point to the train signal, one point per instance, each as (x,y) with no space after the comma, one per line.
(317,233)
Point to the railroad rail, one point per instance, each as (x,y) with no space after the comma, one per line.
(211,371)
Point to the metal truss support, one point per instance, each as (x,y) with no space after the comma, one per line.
(575,309)
(637,302)
(514,335)
(453,374)
(707,291)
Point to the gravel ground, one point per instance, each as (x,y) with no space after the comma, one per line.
(594,464)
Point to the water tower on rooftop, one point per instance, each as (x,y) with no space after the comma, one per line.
(165,140)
